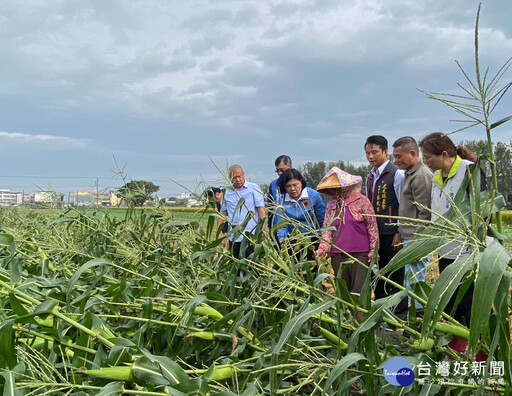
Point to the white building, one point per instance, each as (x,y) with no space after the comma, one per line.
(184,195)
(46,197)
(93,197)
(10,198)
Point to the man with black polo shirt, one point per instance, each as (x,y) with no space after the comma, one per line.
(383,189)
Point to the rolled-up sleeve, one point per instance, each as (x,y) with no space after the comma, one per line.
(259,199)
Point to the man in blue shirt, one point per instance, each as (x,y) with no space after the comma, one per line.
(253,208)
(282,163)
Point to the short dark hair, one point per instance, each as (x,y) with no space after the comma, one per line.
(210,191)
(378,140)
(288,175)
(285,159)
(407,143)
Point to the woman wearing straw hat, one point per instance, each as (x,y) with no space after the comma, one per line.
(355,235)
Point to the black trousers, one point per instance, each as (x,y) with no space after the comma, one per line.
(236,246)
(462,313)
(384,289)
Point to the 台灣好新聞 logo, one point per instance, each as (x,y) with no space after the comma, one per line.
(398,371)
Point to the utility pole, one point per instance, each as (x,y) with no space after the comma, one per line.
(97,191)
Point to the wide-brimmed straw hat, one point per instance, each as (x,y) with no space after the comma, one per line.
(339,180)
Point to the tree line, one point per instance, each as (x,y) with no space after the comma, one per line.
(139,191)
(314,171)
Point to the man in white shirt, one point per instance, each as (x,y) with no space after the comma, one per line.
(248,213)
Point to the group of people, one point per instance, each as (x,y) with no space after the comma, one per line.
(347,226)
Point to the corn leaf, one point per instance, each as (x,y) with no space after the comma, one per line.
(175,223)
(295,324)
(444,288)
(432,237)
(119,355)
(498,123)
(46,307)
(112,389)
(7,352)
(501,306)
(76,276)
(9,386)
(169,368)
(430,389)
(340,367)
(195,386)
(16,306)
(174,392)
(493,263)
(374,317)
(6,240)
(149,371)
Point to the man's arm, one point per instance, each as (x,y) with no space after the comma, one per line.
(421,188)
(398,185)
(262,213)
(221,220)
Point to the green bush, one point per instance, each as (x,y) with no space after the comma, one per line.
(506,215)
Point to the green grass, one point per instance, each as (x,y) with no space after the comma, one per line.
(199,214)
(93,302)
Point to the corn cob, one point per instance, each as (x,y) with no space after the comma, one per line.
(117,373)
(331,337)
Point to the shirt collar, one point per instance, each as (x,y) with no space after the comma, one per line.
(380,169)
(438,177)
(244,186)
(304,195)
(414,168)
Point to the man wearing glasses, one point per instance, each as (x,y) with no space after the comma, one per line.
(282,163)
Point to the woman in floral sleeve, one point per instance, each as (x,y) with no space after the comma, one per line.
(355,235)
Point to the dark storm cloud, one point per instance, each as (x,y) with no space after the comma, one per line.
(162,85)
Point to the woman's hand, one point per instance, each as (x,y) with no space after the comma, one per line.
(322,252)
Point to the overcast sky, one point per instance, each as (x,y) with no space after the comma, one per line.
(173,89)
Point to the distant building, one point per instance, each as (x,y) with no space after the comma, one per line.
(92,197)
(184,195)
(10,198)
(193,202)
(47,197)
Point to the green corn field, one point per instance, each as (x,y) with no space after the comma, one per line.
(99,304)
